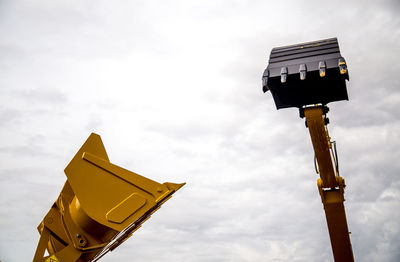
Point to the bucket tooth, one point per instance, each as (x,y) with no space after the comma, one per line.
(322,68)
(284,73)
(303,71)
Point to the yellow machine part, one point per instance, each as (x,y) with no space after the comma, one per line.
(99,207)
(52,259)
(330,185)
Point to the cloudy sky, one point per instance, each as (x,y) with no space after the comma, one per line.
(174,89)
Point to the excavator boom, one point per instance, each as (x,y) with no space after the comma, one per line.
(330,185)
(309,76)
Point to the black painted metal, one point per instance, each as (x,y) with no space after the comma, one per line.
(313,57)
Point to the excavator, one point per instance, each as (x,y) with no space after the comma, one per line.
(101,204)
(308,76)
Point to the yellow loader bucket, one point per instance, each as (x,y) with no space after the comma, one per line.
(99,207)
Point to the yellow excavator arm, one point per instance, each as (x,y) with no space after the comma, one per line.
(330,184)
(309,76)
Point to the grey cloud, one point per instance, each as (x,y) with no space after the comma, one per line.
(8,115)
(94,123)
(43,96)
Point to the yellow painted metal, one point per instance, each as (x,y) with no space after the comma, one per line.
(321,143)
(330,185)
(52,259)
(99,207)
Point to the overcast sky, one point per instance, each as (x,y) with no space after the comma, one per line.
(174,90)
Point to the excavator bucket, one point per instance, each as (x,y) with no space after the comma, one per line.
(99,207)
(306,74)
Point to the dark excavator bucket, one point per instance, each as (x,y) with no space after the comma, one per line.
(306,74)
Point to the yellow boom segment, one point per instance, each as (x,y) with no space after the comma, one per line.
(330,185)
